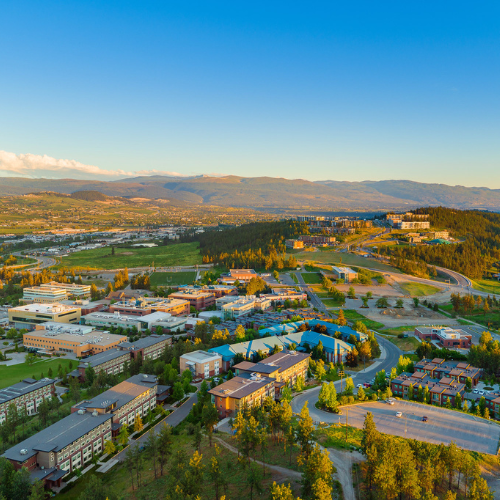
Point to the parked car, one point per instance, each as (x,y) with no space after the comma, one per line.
(359,385)
(399,414)
(367,385)
(475,391)
(424,419)
(389,401)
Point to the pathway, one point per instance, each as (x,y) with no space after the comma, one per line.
(343,461)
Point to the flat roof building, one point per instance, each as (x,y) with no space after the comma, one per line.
(217,290)
(199,299)
(147,305)
(77,339)
(49,293)
(240,275)
(30,315)
(344,273)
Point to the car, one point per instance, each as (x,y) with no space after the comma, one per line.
(399,414)
(359,385)
(424,419)
(475,391)
(367,385)
(481,393)
(389,401)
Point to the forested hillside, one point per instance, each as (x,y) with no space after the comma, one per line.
(477,251)
(256,245)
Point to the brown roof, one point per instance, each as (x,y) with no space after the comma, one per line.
(239,387)
(456,372)
(419,375)
(446,381)
(463,366)
(285,359)
(438,361)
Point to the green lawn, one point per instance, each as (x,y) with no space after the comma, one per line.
(346,259)
(399,329)
(13,374)
(330,302)
(418,289)
(408,344)
(168,279)
(180,254)
(294,277)
(353,315)
(312,278)
(488,286)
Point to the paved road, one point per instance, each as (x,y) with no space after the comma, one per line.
(443,426)
(315,301)
(389,358)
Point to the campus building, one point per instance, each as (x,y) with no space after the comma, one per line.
(280,295)
(147,305)
(294,244)
(317,240)
(27,394)
(150,321)
(78,339)
(445,336)
(244,390)
(344,273)
(441,390)
(202,364)
(199,299)
(30,315)
(53,292)
(239,275)
(243,305)
(217,290)
(150,347)
(111,362)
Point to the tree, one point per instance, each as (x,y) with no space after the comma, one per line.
(349,386)
(382,302)
(164,446)
(197,436)
(305,431)
(361,394)
(399,303)
(138,426)
(178,392)
(239,333)
(209,417)
(416,302)
(254,479)
(216,475)
(123,435)
(21,484)
(351,293)
(370,433)
(37,490)
(94,489)
(109,447)
(90,375)
(152,449)
(282,492)
(320,372)
(317,468)
(341,318)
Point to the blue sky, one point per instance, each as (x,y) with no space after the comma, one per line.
(316,90)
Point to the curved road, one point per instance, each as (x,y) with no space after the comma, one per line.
(389,358)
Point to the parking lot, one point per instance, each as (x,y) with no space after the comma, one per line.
(443,426)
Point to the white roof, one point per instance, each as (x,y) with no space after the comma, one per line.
(201,356)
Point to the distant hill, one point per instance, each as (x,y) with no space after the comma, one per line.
(270,193)
(89,196)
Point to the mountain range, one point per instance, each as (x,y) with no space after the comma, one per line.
(271,193)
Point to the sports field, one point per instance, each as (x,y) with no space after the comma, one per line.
(180,254)
(312,278)
(169,279)
(13,374)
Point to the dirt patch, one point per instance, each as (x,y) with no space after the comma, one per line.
(411,313)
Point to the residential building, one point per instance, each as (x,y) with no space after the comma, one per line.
(458,370)
(402,224)
(245,305)
(77,339)
(151,346)
(441,390)
(344,273)
(202,364)
(199,299)
(147,305)
(294,244)
(27,394)
(53,292)
(244,390)
(445,336)
(284,367)
(438,235)
(111,362)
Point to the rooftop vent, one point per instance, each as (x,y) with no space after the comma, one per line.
(94,413)
(24,451)
(81,412)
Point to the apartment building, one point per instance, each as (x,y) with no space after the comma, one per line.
(217,290)
(27,394)
(317,240)
(294,244)
(30,315)
(412,224)
(244,305)
(436,235)
(344,273)
(148,305)
(202,364)
(244,390)
(284,367)
(445,336)
(441,390)
(111,362)
(457,370)
(150,347)
(199,299)
(53,292)
(77,339)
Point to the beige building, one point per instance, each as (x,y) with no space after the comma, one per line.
(30,315)
(50,293)
(201,363)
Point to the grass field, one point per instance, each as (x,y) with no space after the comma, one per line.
(168,279)
(408,344)
(488,286)
(13,374)
(180,254)
(418,289)
(346,259)
(399,329)
(353,315)
(330,302)
(312,278)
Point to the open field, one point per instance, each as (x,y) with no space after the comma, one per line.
(312,278)
(488,286)
(330,302)
(327,256)
(169,279)
(353,315)
(13,374)
(180,254)
(405,344)
(418,289)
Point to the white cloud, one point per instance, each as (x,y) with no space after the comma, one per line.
(30,165)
